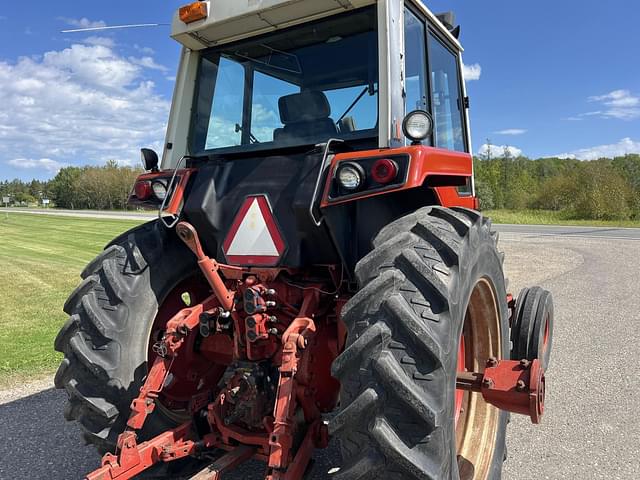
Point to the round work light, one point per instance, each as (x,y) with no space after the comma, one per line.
(417,126)
(350,177)
(159,189)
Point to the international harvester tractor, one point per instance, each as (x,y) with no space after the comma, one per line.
(318,272)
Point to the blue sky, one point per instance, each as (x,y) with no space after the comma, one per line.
(546,78)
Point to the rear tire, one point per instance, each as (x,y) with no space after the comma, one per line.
(105,341)
(427,273)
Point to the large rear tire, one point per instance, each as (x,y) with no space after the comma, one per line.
(106,339)
(432,301)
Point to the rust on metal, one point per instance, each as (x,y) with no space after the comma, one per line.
(224,464)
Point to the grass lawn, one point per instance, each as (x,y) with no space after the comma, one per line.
(41,258)
(546,217)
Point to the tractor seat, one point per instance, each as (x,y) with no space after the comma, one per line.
(304,115)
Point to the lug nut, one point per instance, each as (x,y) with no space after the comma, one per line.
(270,304)
(524,363)
(521,386)
(492,362)
(270,292)
(273,331)
(487,383)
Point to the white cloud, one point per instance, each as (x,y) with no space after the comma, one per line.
(620,104)
(148,62)
(262,115)
(94,65)
(144,50)
(498,151)
(51,166)
(85,104)
(101,41)
(623,147)
(511,131)
(471,72)
(84,22)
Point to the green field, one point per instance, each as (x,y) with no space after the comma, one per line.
(41,258)
(547,217)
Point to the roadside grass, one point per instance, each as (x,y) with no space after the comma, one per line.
(548,217)
(41,258)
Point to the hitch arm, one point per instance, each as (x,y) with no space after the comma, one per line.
(517,387)
(208,266)
(167,349)
(134,459)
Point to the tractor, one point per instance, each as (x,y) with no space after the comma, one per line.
(318,271)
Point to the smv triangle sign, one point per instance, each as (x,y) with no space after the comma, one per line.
(254,238)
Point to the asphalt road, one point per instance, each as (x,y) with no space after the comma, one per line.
(591,429)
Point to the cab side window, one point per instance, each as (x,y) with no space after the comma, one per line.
(447,96)
(415,63)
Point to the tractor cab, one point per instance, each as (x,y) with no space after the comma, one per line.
(261,76)
(320,107)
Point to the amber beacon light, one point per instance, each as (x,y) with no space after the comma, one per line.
(193,12)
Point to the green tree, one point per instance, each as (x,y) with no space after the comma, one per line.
(602,193)
(64,191)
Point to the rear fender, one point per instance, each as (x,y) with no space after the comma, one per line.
(176,195)
(435,168)
(431,176)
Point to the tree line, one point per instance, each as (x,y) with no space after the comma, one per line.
(604,189)
(92,187)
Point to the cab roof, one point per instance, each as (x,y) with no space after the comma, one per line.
(231,20)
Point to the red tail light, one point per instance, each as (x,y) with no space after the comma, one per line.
(143,190)
(384,171)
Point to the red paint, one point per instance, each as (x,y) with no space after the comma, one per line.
(135,458)
(425,162)
(193,366)
(174,204)
(517,387)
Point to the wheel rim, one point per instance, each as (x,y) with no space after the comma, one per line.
(477,422)
(191,373)
(461,368)
(545,341)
